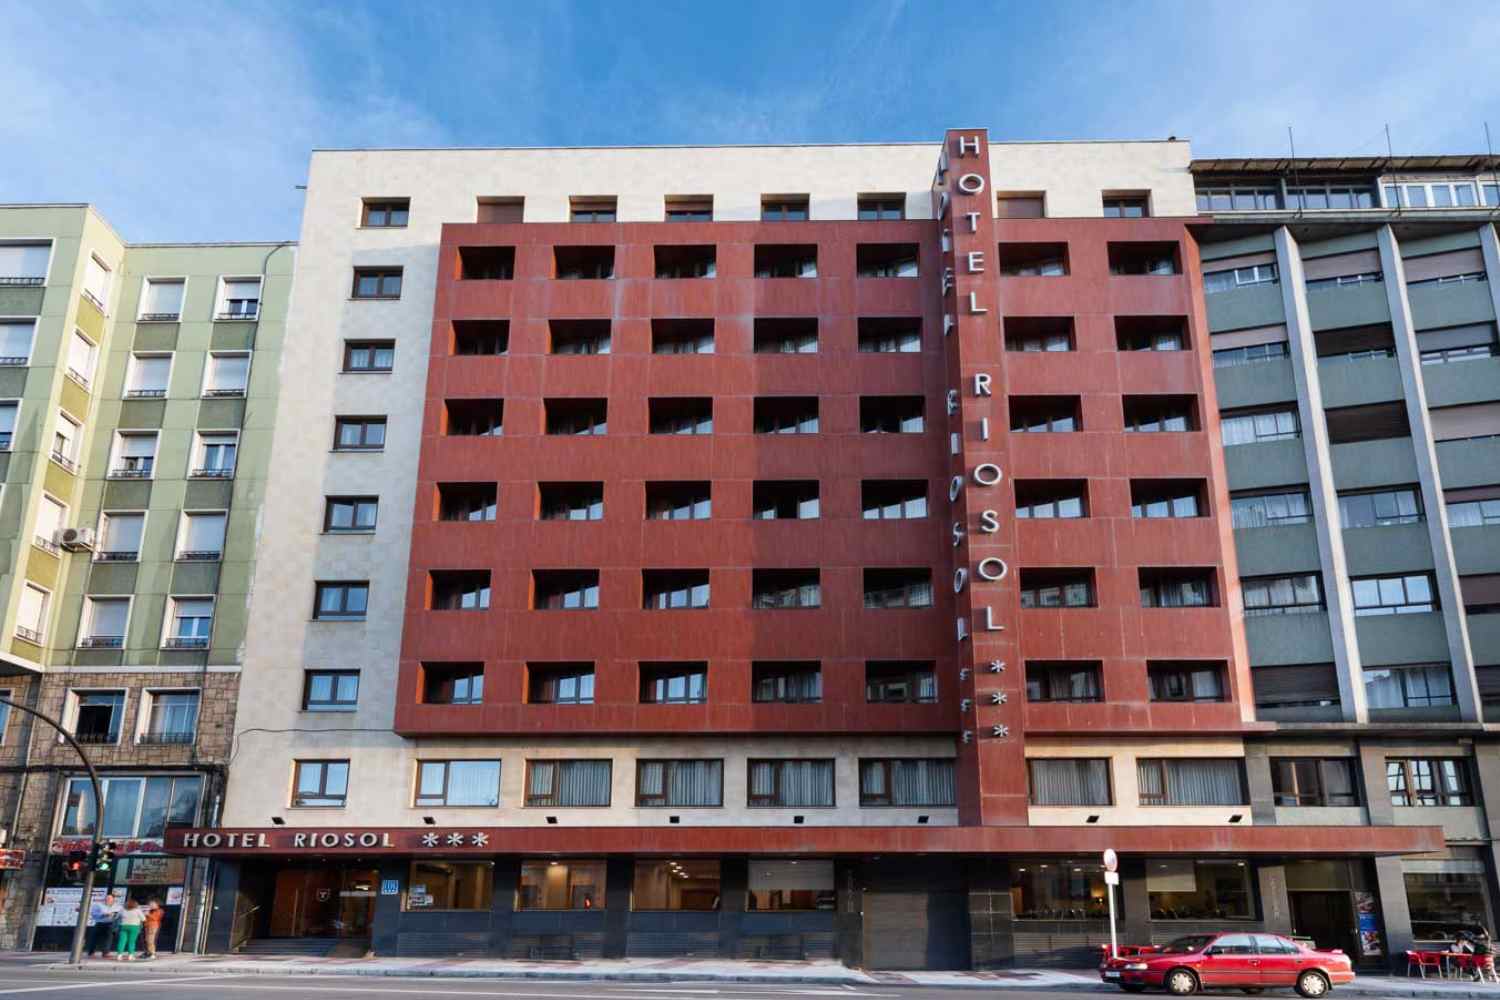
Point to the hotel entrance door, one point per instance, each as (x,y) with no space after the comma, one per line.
(324,902)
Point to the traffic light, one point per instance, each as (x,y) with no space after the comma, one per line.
(74,865)
(104,857)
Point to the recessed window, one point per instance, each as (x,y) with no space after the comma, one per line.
(674,683)
(1160,414)
(1057,588)
(1376,422)
(1033,260)
(567,783)
(783,208)
(65,435)
(591,263)
(104,622)
(385,213)
(202,535)
(171,719)
(786,336)
(674,589)
(678,501)
(499,211)
(1191,781)
(1263,510)
(1311,781)
(96,282)
(1381,508)
(239,298)
(786,260)
(1069,781)
(1039,334)
(1064,680)
(1151,333)
(1126,206)
(1251,354)
(1168,498)
(882,207)
(480,337)
(681,415)
(359,434)
(81,355)
(97,717)
(467,501)
(567,884)
(31,614)
(376,283)
(906,682)
(785,499)
(452,683)
(1429,781)
(345,601)
(892,415)
(578,336)
(1177,588)
(1394,595)
(1020,204)
(576,417)
(1143,259)
(786,415)
(682,336)
(350,515)
(686,261)
(886,260)
(1184,680)
(135,455)
(1293,594)
(120,536)
(322,784)
(564,589)
(1244,197)
(783,783)
(330,690)
(8,411)
(898,588)
(560,683)
(51,516)
(907,781)
(1473,508)
(1423,685)
(458,783)
(24,265)
(683,783)
(788,682)
(893,499)
(369,355)
(1039,499)
(148,376)
(570,501)
(459,590)
(890,335)
(689,207)
(1044,415)
(15,340)
(214,455)
(190,622)
(785,588)
(473,417)
(1232,278)
(592,209)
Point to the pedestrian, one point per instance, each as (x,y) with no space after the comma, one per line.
(104,915)
(1484,956)
(131,920)
(155,913)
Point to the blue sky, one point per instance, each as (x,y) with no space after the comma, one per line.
(193,120)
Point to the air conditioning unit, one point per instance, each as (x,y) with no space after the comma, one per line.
(76,539)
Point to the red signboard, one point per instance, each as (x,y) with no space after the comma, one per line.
(135,845)
(12,860)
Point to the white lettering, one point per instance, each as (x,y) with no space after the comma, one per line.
(955,487)
(973,218)
(212,840)
(369,840)
(992,568)
(953,443)
(960,577)
(970,183)
(952,401)
(348,840)
(982,383)
(989,620)
(190,840)
(261,841)
(984,428)
(988,474)
(299,840)
(963,629)
(329,839)
(974,307)
(975,261)
(958,533)
(947,323)
(968,144)
(989,521)
(385,840)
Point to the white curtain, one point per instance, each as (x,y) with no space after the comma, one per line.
(922,783)
(205,533)
(473,783)
(163,298)
(107,617)
(24,260)
(15,338)
(584,783)
(1070,782)
(1206,782)
(694,782)
(122,532)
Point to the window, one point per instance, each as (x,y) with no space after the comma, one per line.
(1160,414)
(473,417)
(320,784)
(1173,781)
(567,782)
(135,455)
(1177,588)
(1449,895)
(350,515)
(1378,508)
(452,683)
(239,298)
(881,207)
(1393,595)
(50,518)
(893,499)
(15,340)
(789,682)
(1186,681)
(387,213)
(783,208)
(1063,680)
(890,335)
(678,261)
(1295,594)
(24,264)
(480,337)
(81,354)
(96,278)
(1069,781)
(1168,498)
(785,588)
(1439,194)
(214,455)
(785,499)
(330,690)
(678,501)
(791,783)
(458,783)
(148,376)
(786,336)
(1428,685)
(1269,510)
(104,622)
(1333,195)
(1182,889)
(503,211)
(341,601)
(1143,259)
(891,415)
(120,537)
(907,782)
(8,412)
(133,806)
(576,417)
(1310,781)
(579,336)
(65,442)
(562,884)
(31,615)
(1473,508)
(1377,422)
(227,374)
(681,415)
(190,622)
(1058,889)
(1430,781)
(674,683)
(1039,334)
(1239,277)
(1020,205)
(898,588)
(1472,342)
(1044,414)
(1051,498)
(1344,281)
(376,283)
(682,336)
(459,590)
(1286,691)
(467,501)
(689,207)
(450,885)
(687,783)
(1057,588)
(1151,333)
(886,260)
(663,589)
(172,717)
(686,884)
(1255,427)
(564,589)
(790,885)
(786,260)
(1247,197)
(594,209)
(560,683)
(359,434)
(202,537)
(97,716)
(570,501)
(1252,354)
(786,415)
(889,682)
(1126,206)
(369,355)
(593,263)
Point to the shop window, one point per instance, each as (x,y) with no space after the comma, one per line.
(1067,781)
(562,884)
(1180,889)
(450,885)
(790,885)
(1058,889)
(1447,895)
(676,884)
(133,806)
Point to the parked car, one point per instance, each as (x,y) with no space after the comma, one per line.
(1248,962)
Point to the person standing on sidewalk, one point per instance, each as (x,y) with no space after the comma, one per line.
(154,916)
(132,918)
(104,916)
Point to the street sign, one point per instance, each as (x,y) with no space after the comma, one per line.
(1111,878)
(1111,860)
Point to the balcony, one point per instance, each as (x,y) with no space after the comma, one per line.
(1336,306)
(1244,307)
(1265,464)
(1392,640)
(1393,548)
(1288,640)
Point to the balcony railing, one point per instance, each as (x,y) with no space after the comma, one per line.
(214,473)
(22,281)
(131,470)
(97,738)
(117,556)
(234,393)
(168,738)
(29,634)
(200,555)
(64,461)
(185,642)
(159,317)
(248,310)
(101,642)
(14,361)
(145,393)
(46,544)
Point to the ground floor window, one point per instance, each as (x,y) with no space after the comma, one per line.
(563,884)
(676,885)
(791,885)
(450,885)
(1059,889)
(1446,895)
(1198,890)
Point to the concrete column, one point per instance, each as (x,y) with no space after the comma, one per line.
(734,881)
(503,904)
(1134,901)
(1258,778)
(1390,885)
(1275,906)
(1326,521)
(619,873)
(1445,566)
(1377,795)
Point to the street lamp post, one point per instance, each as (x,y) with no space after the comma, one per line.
(86,899)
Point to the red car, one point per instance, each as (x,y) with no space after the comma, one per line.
(1248,962)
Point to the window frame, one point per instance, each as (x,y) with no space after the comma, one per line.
(171,639)
(773,801)
(387,207)
(323,763)
(334,703)
(889,766)
(343,614)
(668,765)
(382,276)
(550,801)
(355,504)
(419,801)
(1317,795)
(222,314)
(149,704)
(373,348)
(1461,788)
(364,424)
(87,639)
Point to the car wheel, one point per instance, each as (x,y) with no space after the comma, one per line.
(1312,984)
(1181,982)
(1133,987)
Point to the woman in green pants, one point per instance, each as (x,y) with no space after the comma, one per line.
(131,919)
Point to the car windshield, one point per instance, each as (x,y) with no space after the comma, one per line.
(1184,945)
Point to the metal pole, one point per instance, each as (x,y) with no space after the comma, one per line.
(81,930)
(1114,948)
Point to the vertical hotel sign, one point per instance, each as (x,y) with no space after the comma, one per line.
(992,773)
